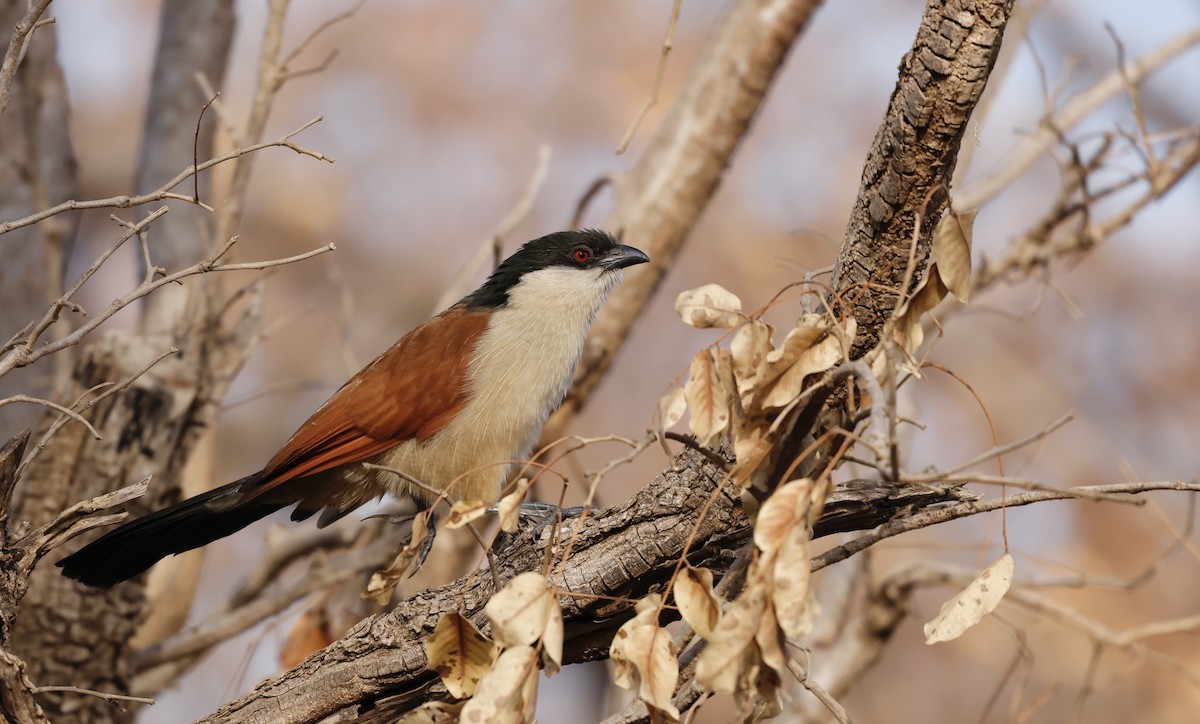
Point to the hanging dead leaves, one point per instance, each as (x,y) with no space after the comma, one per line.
(498,676)
(949,272)
(750,388)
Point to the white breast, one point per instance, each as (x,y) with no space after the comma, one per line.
(521,370)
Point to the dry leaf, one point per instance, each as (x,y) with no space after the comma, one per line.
(520,611)
(641,650)
(709,306)
(508,692)
(433,712)
(647,608)
(750,347)
(671,408)
(975,601)
(707,398)
(952,250)
(751,446)
(383,583)
(697,603)
(509,507)
(463,512)
(552,638)
(460,654)
(770,644)
(780,360)
(932,291)
(785,510)
(732,645)
(795,607)
(817,358)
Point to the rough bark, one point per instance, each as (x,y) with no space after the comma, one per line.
(660,199)
(911,162)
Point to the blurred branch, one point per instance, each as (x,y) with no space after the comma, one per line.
(652,100)
(25,354)
(928,518)
(1068,228)
(16,49)
(1020,159)
(490,249)
(164,192)
(660,199)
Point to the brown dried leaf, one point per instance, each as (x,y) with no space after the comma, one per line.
(433,712)
(780,360)
(383,583)
(460,654)
(795,607)
(750,347)
(707,397)
(974,602)
(520,611)
(641,651)
(552,638)
(709,306)
(952,250)
(770,644)
(509,507)
(817,358)
(697,603)
(463,512)
(784,511)
(671,408)
(932,291)
(508,692)
(751,446)
(647,608)
(732,647)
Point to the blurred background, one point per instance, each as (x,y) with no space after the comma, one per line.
(435,113)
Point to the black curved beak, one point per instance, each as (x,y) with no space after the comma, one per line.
(623,256)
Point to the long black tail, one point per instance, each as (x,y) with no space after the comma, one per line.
(126,551)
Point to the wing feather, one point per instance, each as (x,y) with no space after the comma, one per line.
(409,392)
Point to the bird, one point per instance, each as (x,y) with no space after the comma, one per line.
(453,404)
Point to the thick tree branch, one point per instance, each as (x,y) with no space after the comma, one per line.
(619,555)
(907,173)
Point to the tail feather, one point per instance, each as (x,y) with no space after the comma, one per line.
(133,547)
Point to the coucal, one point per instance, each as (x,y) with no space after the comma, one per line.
(451,404)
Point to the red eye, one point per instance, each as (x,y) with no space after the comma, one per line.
(581,255)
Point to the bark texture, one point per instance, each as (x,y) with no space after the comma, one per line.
(908,170)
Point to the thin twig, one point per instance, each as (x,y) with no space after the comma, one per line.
(115,698)
(926,518)
(53,406)
(993,453)
(164,192)
(652,100)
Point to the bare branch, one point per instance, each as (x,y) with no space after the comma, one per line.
(164,192)
(16,49)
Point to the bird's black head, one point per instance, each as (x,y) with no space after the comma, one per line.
(587,249)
